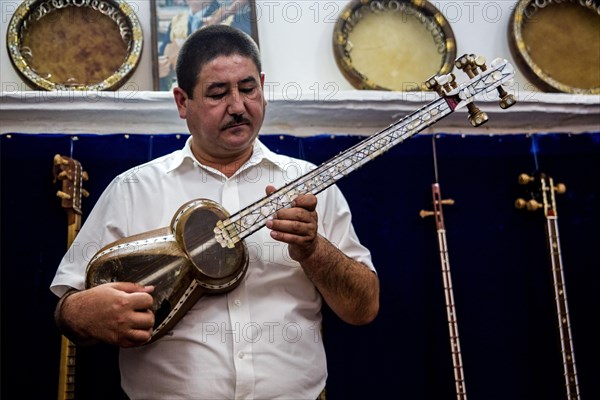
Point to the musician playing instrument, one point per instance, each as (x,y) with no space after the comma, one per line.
(263,338)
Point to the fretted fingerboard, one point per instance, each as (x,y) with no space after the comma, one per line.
(564,324)
(457,363)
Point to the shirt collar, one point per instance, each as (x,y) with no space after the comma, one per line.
(260,153)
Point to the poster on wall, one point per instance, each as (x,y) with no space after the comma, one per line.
(174,20)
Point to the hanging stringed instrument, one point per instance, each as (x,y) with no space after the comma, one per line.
(438,213)
(70,173)
(202,251)
(543,196)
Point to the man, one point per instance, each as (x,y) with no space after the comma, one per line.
(262,339)
(236,13)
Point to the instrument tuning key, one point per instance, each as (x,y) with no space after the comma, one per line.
(476,116)
(525,179)
(425,213)
(448,82)
(466,63)
(560,188)
(434,84)
(506,100)
(520,203)
(437,203)
(63,175)
(58,160)
(63,195)
(441,83)
(531,205)
(480,61)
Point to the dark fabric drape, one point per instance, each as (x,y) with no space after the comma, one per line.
(499,262)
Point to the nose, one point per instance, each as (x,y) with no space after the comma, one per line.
(235,103)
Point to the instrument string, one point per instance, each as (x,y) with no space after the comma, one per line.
(339,166)
(534,151)
(435,163)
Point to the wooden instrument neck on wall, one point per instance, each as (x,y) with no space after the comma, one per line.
(438,214)
(543,193)
(71,175)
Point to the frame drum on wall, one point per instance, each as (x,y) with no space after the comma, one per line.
(392,44)
(74,44)
(555,44)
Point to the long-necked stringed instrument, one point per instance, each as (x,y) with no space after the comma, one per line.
(543,196)
(438,213)
(203,249)
(70,173)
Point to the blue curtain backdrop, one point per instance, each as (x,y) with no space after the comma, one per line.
(499,264)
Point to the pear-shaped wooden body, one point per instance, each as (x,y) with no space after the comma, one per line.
(183,262)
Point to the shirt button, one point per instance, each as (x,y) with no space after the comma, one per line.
(241,354)
(238,302)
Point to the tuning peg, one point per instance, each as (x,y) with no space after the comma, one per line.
(448,82)
(58,160)
(85,193)
(525,179)
(464,63)
(560,188)
(63,195)
(533,205)
(520,203)
(480,61)
(433,85)
(471,64)
(476,116)
(63,175)
(506,100)
(425,214)
(530,205)
(447,202)
(441,83)
(85,176)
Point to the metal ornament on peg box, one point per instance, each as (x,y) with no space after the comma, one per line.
(392,44)
(74,44)
(555,44)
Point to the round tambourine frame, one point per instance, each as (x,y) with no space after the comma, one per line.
(107,67)
(555,44)
(436,36)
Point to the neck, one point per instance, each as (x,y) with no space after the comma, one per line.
(227,165)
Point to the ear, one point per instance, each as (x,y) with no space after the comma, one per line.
(262,86)
(181,99)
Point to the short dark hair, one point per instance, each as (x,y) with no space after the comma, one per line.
(208,43)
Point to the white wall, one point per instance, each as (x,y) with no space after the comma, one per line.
(296,42)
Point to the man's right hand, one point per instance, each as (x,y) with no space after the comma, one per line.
(116,313)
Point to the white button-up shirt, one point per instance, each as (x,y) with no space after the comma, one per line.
(262,339)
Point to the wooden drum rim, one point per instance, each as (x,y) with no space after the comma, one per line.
(30,12)
(349,17)
(518,47)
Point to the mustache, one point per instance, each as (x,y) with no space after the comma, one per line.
(236,120)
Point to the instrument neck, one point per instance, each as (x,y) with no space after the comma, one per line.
(560,294)
(249,220)
(459,378)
